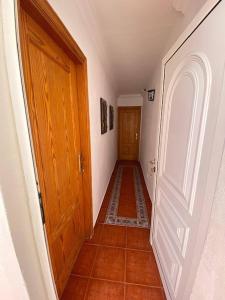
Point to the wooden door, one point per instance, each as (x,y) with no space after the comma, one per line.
(129,131)
(52,99)
(192,94)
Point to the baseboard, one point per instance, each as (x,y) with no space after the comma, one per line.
(145,180)
(107,185)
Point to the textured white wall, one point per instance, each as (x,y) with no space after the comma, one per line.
(210,280)
(103,147)
(149,132)
(130,100)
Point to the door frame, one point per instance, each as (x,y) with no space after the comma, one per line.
(139,108)
(217,150)
(45,16)
(41,11)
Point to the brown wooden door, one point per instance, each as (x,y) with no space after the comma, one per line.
(50,77)
(129,132)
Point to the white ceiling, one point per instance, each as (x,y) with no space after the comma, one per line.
(135,34)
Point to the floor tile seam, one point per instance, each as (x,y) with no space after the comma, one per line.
(144,285)
(101,233)
(125,256)
(94,260)
(87,287)
(99,278)
(115,281)
(125,266)
(76,274)
(92,270)
(118,247)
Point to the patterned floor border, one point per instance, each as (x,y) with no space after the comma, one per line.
(142,220)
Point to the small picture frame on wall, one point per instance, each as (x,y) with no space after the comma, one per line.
(151,95)
(103,110)
(111,117)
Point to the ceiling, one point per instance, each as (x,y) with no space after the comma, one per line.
(135,34)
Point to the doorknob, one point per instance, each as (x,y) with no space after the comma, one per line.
(136,135)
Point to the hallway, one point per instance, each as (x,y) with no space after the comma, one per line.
(118,262)
(128,90)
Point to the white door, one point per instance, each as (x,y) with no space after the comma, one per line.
(192,94)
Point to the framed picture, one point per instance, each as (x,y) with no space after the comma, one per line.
(151,95)
(111,117)
(103,109)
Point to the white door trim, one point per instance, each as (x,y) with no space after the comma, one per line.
(12,57)
(218,147)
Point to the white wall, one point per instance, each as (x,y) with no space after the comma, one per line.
(151,110)
(209,283)
(149,132)
(100,84)
(130,100)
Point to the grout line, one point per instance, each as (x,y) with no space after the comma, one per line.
(94,261)
(118,247)
(121,282)
(91,273)
(125,268)
(87,287)
(125,277)
(144,285)
(99,278)
(99,244)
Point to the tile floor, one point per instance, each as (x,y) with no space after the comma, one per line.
(117,263)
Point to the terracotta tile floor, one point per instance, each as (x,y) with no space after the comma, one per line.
(117,263)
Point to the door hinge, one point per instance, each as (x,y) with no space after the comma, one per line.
(41,207)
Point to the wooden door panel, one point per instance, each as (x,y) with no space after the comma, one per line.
(53,126)
(52,103)
(129,131)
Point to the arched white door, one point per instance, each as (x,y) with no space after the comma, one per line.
(192,94)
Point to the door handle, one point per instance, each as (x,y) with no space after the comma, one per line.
(152,162)
(153,169)
(136,136)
